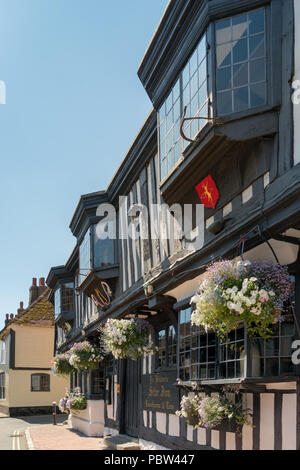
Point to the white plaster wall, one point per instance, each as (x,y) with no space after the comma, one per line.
(247,432)
(267,421)
(215,439)
(161,422)
(297,77)
(174,425)
(289,422)
(90,421)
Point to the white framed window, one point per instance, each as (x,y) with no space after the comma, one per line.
(2,386)
(2,352)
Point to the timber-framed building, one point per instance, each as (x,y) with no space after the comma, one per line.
(230,66)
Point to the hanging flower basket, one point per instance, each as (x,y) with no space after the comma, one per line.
(240,291)
(85,356)
(61,365)
(127,338)
(189,409)
(211,412)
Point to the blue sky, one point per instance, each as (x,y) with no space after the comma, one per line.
(74,105)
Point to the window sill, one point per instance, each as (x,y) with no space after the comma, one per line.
(164,369)
(244,381)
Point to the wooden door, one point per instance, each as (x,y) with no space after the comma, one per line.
(132,401)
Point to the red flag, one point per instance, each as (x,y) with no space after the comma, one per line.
(208,192)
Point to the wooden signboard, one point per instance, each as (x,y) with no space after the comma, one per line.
(159,392)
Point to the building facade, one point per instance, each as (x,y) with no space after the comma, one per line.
(27,385)
(220,76)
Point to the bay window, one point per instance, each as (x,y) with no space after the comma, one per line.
(64,300)
(227,72)
(241,62)
(95,252)
(191,91)
(85,260)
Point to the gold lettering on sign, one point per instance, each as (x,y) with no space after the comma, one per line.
(160,394)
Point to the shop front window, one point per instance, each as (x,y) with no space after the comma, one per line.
(197,350)
(204,356)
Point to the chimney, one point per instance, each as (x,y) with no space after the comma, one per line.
(21,308)
(6,319)
(33,292)
(11,316)
(42,286)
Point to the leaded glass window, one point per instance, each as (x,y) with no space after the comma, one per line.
(197,350)
(190,90)
(57,302)
(104,254)
(232,355)
(162,348)
(85,256)
(241,62)
(67,297)
(204,356)
(167,347)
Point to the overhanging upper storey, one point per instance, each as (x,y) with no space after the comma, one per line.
(85,213)
(61,280)
(214,62)
(178,34)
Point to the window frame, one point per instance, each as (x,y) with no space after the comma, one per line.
(272,67)
(2,352)
(59,290)
(46,388)
(90,234)
(165,327)
(182,88)
(2,386)
(248,356)
(214,70)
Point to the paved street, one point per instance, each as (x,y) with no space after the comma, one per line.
(12,430)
